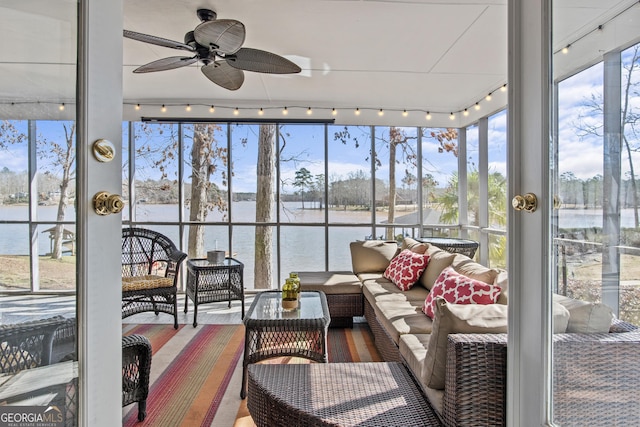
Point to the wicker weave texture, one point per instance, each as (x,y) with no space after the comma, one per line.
(149,253)
(385,345)
(136,368)
(28,344)
(337,394)
(214,283)
(476,380)
(595,379)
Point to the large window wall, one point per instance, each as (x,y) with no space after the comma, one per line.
(278,197)
(284,197)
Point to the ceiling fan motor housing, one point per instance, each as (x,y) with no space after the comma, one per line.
(206,15)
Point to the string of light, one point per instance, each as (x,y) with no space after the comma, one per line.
(260,111)
(565,49)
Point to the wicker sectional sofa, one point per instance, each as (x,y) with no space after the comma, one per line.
(459,359)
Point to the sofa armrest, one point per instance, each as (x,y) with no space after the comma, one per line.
(618,326)
(596,379)
(475,380)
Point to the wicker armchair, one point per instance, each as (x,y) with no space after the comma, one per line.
(136,366)
(28,344)
(150,269)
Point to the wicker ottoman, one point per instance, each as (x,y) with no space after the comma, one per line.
(343,290)
(337,394)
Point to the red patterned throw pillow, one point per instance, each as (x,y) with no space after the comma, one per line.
(406,268)
(456,288)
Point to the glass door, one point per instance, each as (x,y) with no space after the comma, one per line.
(595,222)
(38,357)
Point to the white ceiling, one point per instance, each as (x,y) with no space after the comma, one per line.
(418,55)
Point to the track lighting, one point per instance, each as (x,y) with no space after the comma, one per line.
(309,111)
(188,108)
(465,112)
(236,112)
(428,116)
(477,106)
(61,107)
(357,112)
(137,107)
(488,97)
(381,113)
(452,116)
(261,112)
(285,111)
(212,109)
(405,113)
(334,112)
(163,108)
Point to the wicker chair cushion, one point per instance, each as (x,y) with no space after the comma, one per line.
(405,269)
(139,283)
(438,261)
(459,289)
(457,318)
(13,359)
(465,265)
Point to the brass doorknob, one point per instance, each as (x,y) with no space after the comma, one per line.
(527,203)
(105,203)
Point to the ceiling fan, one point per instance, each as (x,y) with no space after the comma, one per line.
(217,43)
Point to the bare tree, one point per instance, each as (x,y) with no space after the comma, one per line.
(265,200)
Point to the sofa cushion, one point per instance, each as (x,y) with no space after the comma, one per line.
(402,317)
(502,281)
(584,316)
(383,290)
(330,282)
(405,269)
(465,265)
(372,256)
(438,260)
(459,289)
(413,245)
(413,349)
(560,318)
(457,318)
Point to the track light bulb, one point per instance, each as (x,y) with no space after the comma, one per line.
(565,49)
(285,111)
(260,112)
(334,112)
(465,112)
(309,111)
(163,108)
(137,107)
(212,109)
(357,112)
(381,113)
(405,113)
(477,106)
(236,112)
(61,107)
(452,116)
(488,97)
(188,107)
(428,116)
(503,88)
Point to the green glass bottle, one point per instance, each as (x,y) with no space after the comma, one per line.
(296,282)
(289,295)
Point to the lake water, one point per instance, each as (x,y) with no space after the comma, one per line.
(302,247)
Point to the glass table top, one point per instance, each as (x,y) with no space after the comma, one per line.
(268,306)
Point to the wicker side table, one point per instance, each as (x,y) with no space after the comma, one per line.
(337,394)
(455,246)
(272,332)
(207,282)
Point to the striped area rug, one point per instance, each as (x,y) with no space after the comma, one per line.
(196,372)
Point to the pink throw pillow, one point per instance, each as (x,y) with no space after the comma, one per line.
(456,288)
(406,268)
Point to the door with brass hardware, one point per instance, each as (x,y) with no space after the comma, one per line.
(105,203)
(527,203)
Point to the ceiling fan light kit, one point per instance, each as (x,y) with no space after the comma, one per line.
(217,44)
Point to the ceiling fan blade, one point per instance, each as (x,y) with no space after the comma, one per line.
(223,75)
(222,35)
(166,64)
(262,61)
(157,40)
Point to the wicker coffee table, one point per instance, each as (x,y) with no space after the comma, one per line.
(272,332)
(337,394)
